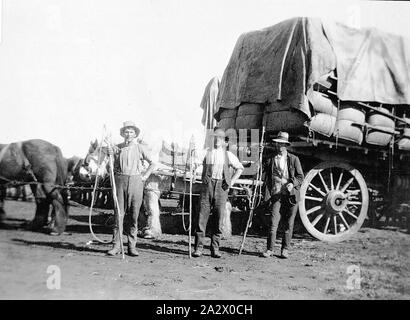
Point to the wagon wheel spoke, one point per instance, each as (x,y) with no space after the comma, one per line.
(332,185)
(349,213)
(353,192)
(314,222)
(327,225)
(317,189)
(314,209)
(339,181)
(344,220)
(335,223)
(355,202)
(324,183)
(314,198)
(348,183)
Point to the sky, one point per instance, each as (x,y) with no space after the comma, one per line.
(67,68)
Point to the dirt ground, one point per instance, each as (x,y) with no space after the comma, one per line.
(315,270)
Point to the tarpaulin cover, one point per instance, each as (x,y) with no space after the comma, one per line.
(279,64)
(372,65)
(208,103)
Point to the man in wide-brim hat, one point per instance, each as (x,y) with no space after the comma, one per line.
(283,178)
(129,180)
(217,178)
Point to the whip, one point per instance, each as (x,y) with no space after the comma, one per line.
(114,195)
(94,190)
(253,198)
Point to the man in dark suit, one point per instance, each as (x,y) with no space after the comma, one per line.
(283,178)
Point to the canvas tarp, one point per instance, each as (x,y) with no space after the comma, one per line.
(208,103)
(372,65)
(279,64)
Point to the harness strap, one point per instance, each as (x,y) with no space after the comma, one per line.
(3,151)
(26,163)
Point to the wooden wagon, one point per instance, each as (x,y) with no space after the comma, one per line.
(344,99)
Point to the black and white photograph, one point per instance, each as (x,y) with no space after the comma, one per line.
(217,152)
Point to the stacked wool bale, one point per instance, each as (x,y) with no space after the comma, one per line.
(347,120)
(249,116)
(325,112)
(227,118)
(281,117)
(404,141)
(324,116)
(246,116)
(349,115)
(379,121)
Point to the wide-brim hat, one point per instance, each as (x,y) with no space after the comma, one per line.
(219,133)
(282,137)
(129,124)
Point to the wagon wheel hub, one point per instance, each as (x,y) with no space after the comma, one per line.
(336,201)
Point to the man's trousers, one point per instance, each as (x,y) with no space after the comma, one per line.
(214,198)
(130,193)
(282,209)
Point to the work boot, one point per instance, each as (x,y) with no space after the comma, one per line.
(116,249)
(284,254)
(132,251)
(215,253)
(197,253)
(267,254)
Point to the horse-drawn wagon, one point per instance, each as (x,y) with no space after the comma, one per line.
(344,96)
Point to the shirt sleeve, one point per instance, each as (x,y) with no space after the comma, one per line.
(234,161)
(146,155)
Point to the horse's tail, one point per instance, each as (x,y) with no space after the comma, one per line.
(61,177)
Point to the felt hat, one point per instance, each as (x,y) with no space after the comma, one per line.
(129,124)
(218,132)
(282,137)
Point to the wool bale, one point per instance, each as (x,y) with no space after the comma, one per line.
(322,103)
(287,120)
(227,123)
(323,123)
(379,138)
(250,109)
(228,113)
(345,129)
(350,112)
(377,119)
(404,143)
(249,121)
(249,116)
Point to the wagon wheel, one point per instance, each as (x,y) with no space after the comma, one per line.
(333,201)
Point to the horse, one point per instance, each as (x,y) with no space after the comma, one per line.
(84,171)
(42,165)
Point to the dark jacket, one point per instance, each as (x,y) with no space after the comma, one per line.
(296,176)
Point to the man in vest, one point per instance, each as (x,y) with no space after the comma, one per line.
(129,181)
(283,179)
(216,181)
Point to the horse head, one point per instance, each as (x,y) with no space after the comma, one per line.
(95,162)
